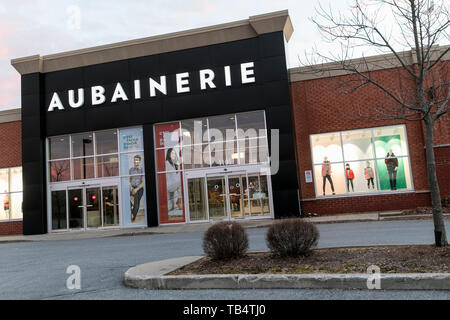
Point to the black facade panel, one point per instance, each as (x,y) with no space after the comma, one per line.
(33,157)
(235,52)
(280,117)
(30,84)
(285,179)
(286,203)
(64,80)
(150,177)
(33,103)
(272,44)
(270,92)
(106,73)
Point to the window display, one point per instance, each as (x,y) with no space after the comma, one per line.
(11,193)
(361,161)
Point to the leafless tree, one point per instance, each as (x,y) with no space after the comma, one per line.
(423,71)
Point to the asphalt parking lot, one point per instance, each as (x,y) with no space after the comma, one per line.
(37,270)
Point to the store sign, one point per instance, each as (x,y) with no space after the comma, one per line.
(156,86)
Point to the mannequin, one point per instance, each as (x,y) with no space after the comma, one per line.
(326,174)
(349,175)
(369,175)
(392,166)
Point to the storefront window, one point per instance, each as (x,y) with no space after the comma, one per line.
(82,145)
(83,159)
(192,144)
(106,142)
(361,161)
(59,147)
(11,193)
(96,155)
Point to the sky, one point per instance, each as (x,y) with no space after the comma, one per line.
(29,27)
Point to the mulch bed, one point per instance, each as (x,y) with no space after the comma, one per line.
(390,259)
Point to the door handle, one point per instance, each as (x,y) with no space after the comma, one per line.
(90,205)
(80,206)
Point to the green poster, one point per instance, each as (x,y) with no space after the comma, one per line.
(383,144)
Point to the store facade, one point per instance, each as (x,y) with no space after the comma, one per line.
(168,129)
(203,125)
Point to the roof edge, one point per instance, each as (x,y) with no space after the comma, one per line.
(364,64)
(11,115)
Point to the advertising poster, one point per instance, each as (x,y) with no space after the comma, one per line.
(133,177)
(170,179)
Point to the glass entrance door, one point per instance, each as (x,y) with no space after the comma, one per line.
(232,195)
(87,207)
(217,197)
(238,195)
(93,214)
(76,208)
(110,206)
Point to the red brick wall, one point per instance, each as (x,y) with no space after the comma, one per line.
(10,156)
(10,144)
(382,202)
(11,227)
(442,158)
(320,106)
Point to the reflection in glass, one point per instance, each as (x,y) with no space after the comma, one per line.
(59,170)
(217,198)
(196,156)
(107,166)
(110,206)
(194,131)
(58,147)
(251,124)
(222,128)
(197,199)
(224,153)
(59,218)
(106,142)
(82,145)
(83,168)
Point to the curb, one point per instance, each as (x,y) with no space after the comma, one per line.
(151,276)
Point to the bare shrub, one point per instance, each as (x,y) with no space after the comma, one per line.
(225,240)
(292,237)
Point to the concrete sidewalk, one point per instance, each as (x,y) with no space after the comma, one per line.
(200,227)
